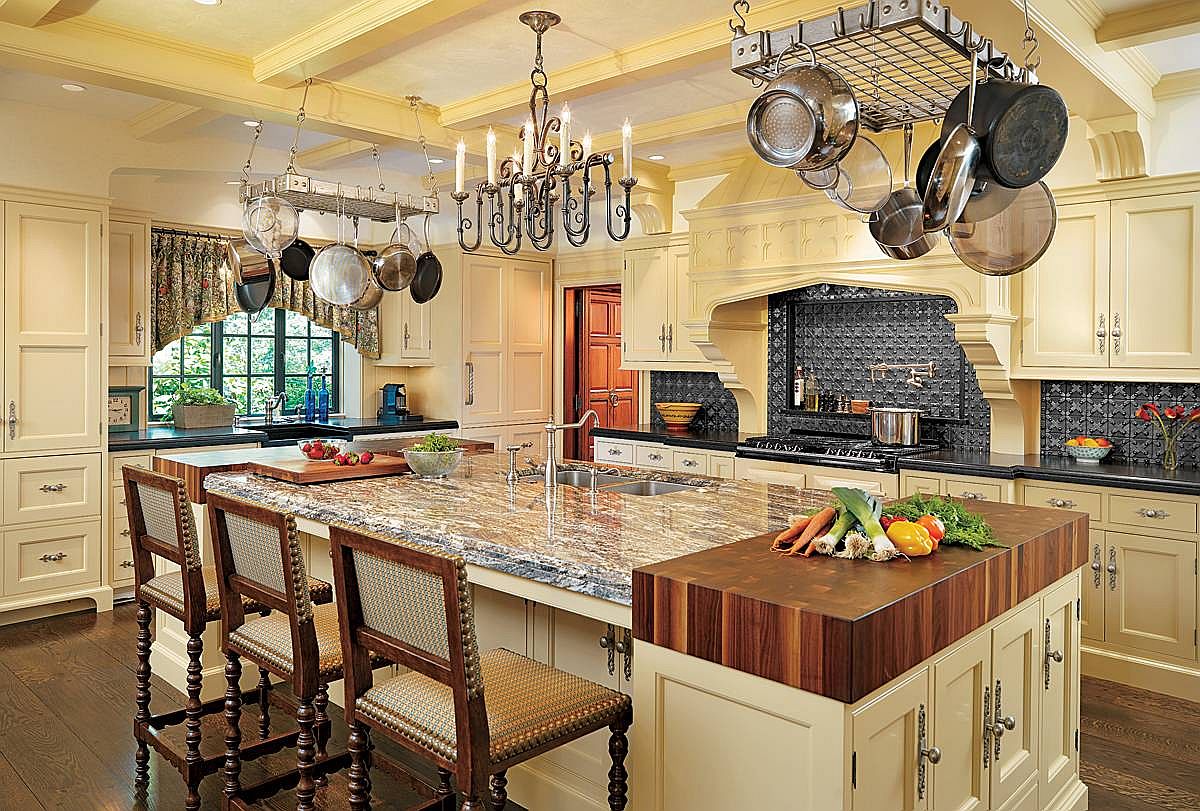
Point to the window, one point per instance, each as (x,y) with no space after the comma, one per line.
(248,358)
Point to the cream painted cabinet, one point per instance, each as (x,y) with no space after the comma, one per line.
(129,296)
(483,335)
(1150,594)
(527,350)
(52,315)
(405,332)
(1017,655)
(656,301)
(1059,755)
(959,781)
(1092,590)
(886,759)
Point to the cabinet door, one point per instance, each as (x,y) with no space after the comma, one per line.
(1016,696)
(484,339)
(416,338)
(679,302)
(1065,296)
(1156,282)
(1093,587)
(52,305)
(501,620)
(644,291)
(720,465)
(527,350)
(495,434)
(534,433)
(1060,689)
(886,748)
(959,781)
(129,292)
(1151,599)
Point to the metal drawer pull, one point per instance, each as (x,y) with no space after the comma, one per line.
(127,564)
(656,457)
(1096,566)
(1061,503)
(1149,512)
(55,488)
(690,463)
(1111,568)
(406,335)
(53,558)
(614,452)
(924,753)
(125,533)
(670,337)
(662,338)
(1116,334)
(1051,656)
(139,330)
(1100,335)
(969,496)
(609,643)
(470,384)
(1000,725)
(987,726)
(12,419)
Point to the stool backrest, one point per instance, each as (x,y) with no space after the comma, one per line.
(160,523)
(413,605)
(257,554)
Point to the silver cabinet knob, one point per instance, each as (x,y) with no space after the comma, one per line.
(657,457)
(932,754)
(969,496)
(53,488)
(690,463)
(1056,655)
(621,647)
(1061,503)
(605,642)
(124,533)
(614,451)
(1149,512)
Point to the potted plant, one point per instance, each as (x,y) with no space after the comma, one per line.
(201,407)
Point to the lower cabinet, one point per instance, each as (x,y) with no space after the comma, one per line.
(1017,655)
(658,456)
(961,682)
(1149,594)
(889,734)
(968,488)
(1058,753)
(51,558)
(816,477)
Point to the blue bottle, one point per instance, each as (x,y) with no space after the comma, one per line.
(323,401)
(310,398)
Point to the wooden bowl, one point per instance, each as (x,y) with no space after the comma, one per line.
(677,416)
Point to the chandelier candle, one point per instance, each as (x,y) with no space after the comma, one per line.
(627,147)
(460,166)
(491,157)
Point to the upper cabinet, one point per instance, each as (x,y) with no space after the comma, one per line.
(655,300)
(129,299)
(52,312)
(404,331)
(1119,287)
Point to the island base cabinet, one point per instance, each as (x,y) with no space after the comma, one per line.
(889,734)
(961,679)
(1016,670)
(1059,754)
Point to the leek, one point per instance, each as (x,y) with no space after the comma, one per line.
(828,542)
(857,546)
(867,509)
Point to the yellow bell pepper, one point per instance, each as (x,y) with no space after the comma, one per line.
(910,538)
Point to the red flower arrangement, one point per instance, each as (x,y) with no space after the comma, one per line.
(1173,421)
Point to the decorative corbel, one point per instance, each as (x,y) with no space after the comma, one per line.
(1119,146)
(653,199)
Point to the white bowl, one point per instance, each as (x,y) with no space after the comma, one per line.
(1088,456)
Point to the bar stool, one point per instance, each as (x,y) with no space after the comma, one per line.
(160,523)
(258,558)
(471,714)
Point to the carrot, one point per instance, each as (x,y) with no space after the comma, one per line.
(819,523)
(784,539)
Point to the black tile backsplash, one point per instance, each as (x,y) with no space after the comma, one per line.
(720,409)
(836,332)
(1071,408)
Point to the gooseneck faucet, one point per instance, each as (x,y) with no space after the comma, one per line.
(551,430)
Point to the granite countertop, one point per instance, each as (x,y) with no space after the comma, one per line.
(709,440)
(165,437)
(575,542)
(1185,481)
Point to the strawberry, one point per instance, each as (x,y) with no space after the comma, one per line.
(365,457)
(315,454)
(306,447)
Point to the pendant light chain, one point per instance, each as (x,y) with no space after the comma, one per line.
(431,179)
(291,167)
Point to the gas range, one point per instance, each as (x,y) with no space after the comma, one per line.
(831,450)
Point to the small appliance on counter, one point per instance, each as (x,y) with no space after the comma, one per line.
(393,402)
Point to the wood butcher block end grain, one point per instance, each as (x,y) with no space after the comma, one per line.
(842,628)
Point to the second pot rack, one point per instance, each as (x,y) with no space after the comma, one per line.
(365,202)
(905,59)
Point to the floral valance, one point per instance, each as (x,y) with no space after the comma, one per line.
(193,284)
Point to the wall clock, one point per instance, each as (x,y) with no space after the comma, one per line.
(124,410)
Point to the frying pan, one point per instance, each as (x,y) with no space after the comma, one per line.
(428,280)
(253,295)
(897,226)
(953,175)
(296,259)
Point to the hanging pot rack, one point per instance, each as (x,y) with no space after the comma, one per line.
(905,59)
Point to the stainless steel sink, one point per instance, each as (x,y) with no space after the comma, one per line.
(583,478)
(648,488)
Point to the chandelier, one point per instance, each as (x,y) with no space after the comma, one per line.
(523,192)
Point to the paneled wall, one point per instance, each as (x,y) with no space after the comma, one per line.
(720,409)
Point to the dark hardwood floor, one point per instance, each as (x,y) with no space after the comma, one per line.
(66,704)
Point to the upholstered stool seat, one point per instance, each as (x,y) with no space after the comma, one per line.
(529,705)
(269,639)
(166,592)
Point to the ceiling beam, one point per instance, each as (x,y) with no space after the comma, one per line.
(25,12)
(334,153)
(719,120)
(696,45)
(1144,24)
(1175,85)
(352,34)
(169,121)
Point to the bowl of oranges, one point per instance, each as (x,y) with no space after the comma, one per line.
(1089,450)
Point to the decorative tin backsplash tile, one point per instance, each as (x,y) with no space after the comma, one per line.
(837,332)
(1097,409)
(720,409)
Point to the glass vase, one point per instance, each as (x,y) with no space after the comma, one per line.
(1170,454)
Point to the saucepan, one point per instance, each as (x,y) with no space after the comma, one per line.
(245,263)
(896,426)
(897,226)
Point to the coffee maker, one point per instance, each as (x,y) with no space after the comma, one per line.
(393,402)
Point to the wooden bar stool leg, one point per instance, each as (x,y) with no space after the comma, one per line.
(194,711)
(472,803)
(444,788)
(618,748)
(499,782)
(233,720)
(359,775)
(264,703)
(145,615)
(306,788)
(324,727)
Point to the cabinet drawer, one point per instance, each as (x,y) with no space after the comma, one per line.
(51,488)
(118,502)
(691,462)
(120,531)
(973,490)
(1038,496)
(122,566)
(618,453)
(48,558)
(720,465)
(1152,512)
(652,456)
(927,485)
(136,460)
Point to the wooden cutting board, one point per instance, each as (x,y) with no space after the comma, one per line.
(309,471)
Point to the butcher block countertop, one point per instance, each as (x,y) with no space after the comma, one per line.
(842,628)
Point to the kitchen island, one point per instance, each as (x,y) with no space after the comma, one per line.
(554,578)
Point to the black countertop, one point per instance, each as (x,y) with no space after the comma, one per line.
(707,440)
(1185,481)
(165,437)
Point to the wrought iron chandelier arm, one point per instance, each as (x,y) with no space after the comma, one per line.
(622,211)
(465,224)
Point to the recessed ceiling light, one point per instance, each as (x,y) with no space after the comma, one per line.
(73,88)
(209,2)
(657,157)
(233,182)
(249,123)
(437,161)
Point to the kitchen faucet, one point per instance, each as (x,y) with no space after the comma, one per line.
(551,430)
(270,407)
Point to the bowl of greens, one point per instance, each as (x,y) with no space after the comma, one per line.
(435,458)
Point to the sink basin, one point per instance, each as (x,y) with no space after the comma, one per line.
(648,488)
(286,433)
(583,478)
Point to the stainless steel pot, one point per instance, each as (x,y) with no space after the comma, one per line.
(896,426)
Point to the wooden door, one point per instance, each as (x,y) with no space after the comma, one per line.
(644,291)
(129,292)
(886,748)
(484,331)
(527,350)
(958,781)
(1016,697)
(52,313)
(679,303)
(612,392)
(1156,281)
(1065,296)
(1060,689)
(1150,603)
(1093,587)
